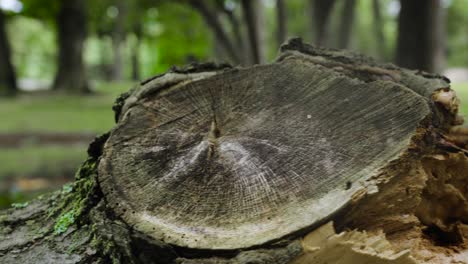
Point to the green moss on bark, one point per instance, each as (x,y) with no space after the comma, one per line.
(75,200)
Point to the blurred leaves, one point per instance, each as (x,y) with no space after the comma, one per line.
(41,9)
(179,35)
(172,32)
(457,20)
(33,61)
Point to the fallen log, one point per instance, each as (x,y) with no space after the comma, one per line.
(323,156)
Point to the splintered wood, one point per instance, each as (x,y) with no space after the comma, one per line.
(324,246)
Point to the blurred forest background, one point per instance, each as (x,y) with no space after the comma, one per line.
(63,62)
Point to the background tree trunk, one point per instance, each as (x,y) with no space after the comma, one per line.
(418,34)
(410,199)
(71,29)
(253,16)
(118,40)
(346,23)
(7,72)
(321,10)
(211,19)
(379,29)
(236,28)
(439,36)
(282,20)
(136,52)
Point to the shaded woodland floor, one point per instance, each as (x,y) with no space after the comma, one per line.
(43,138)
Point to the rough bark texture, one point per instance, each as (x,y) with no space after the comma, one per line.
(418,34)
(7,73)
(71,28)
(377,145)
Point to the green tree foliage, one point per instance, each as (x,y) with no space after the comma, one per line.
(457,19)
(33,61)
(45,10)
(176,35)
(164,33)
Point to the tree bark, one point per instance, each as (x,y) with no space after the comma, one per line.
(71,33)
(213,22)
(321,10)
(347,21)
(214,164)
(7,72)
(378,29)
(418,34)
(253,17)
(282,20)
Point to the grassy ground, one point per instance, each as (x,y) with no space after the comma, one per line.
(462,92)
(61,113)
(33,160)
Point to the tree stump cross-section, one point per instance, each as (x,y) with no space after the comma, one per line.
(323,156)
(249,156)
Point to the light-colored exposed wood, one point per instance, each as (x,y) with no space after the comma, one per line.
(323,246)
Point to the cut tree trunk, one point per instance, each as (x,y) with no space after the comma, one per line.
(7,72)
(71,30)
(320,157)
